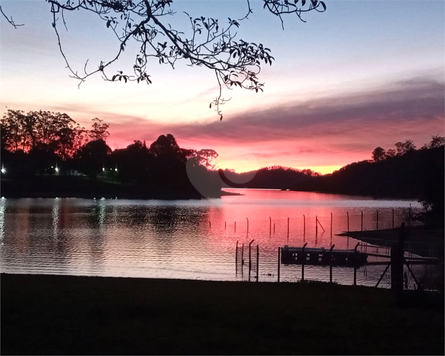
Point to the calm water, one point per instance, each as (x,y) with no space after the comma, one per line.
(185,238)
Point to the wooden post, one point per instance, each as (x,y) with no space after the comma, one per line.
(279,264)
(397,251)
(274,228)
(361,220)
(242,258)
(355,264)
(250,258)
(234,226)
(330,264)
(247,225)
(225,225)
(303,261)
(257,262)
(331,226)
(316,226)
(270,225)
(236,257)
(304,227)
(288,229)
(347,221)
(377,219)
(210,224)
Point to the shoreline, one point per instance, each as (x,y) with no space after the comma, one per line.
(47,314)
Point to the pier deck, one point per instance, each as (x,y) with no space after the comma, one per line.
(322,256)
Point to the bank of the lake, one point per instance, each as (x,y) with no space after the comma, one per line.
(93,315)
(52,186)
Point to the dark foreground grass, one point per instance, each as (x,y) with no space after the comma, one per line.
(91,315)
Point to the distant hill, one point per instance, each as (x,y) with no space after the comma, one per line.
(416,174)
(275,177)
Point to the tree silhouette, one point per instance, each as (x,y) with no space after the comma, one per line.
(208,43)
(378,154)
(93,157)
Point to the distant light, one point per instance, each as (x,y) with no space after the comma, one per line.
(57,169)
(3,170)
(102,198)
(52,166)
(115,169)
(3,198)
(103,169)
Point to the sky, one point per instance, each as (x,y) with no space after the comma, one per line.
(360,75)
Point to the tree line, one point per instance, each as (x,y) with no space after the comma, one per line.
(43,143)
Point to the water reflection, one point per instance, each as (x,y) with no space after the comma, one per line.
(178,239)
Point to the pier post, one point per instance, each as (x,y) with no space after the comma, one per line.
(242,258)
(274,228)
(303,261)
(304,228)
(330,264)
(347,221)
(288,229)
(234,226)
(236,257)
(270,226)
(397,251)
(250,258)
(316,226)
(225,225)
(331,225)
(279,264)
(247,225)
(257,262)
(355,263)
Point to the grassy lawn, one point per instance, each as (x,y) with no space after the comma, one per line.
(93,315)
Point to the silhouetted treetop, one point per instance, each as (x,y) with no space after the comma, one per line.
(146,25)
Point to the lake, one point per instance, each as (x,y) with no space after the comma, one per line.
(188,239)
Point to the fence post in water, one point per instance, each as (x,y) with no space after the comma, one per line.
(347,221)
(270,225)
(377,219)
(304,227)
(303,260)
(242,258)
(355,263)
(330,263)
(225,225)
(257,262)
(234,226)
(397,251)
(236,257)
(250,257)
(331,226)
(210,224)
(279,263)
(274,228)
(361,220)
(316,226)
(247,225)
(288,229)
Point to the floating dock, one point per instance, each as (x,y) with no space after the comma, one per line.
(322,257)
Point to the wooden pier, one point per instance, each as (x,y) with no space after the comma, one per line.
(323,257)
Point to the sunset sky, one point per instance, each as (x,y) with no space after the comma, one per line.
(360,75)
